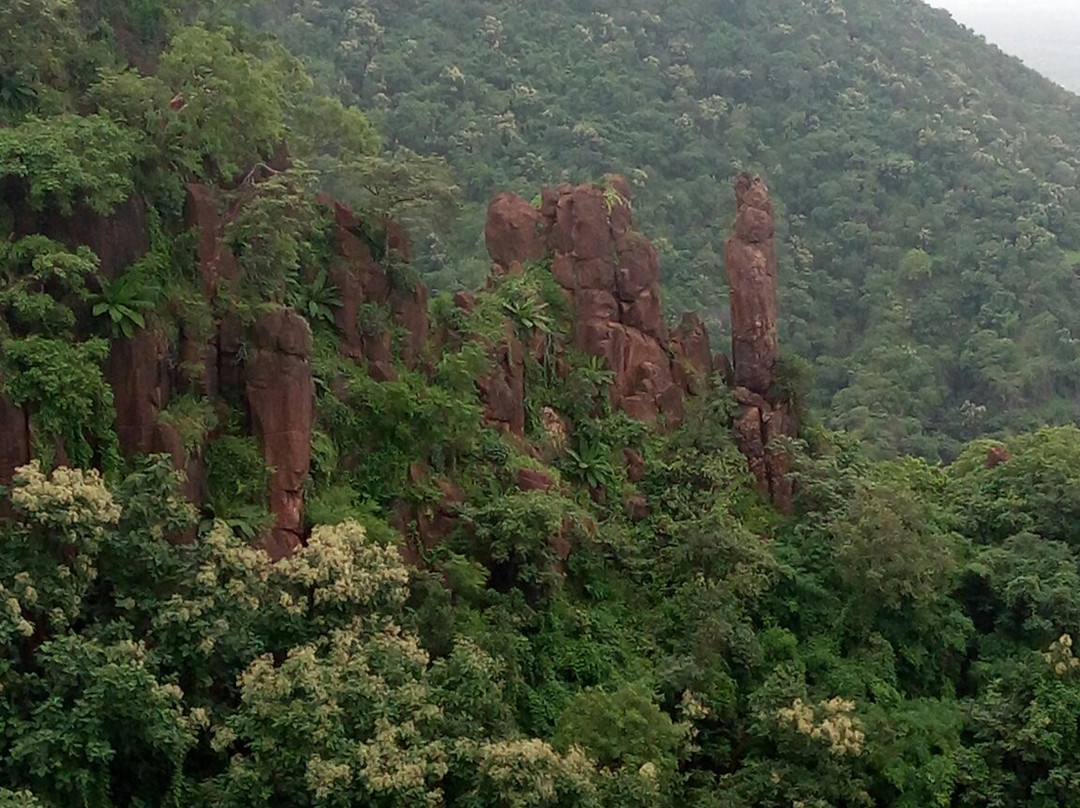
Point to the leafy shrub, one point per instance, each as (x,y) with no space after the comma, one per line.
(237,481)
(622,728)
(233,102)
(71,159)
(192,418)
(122,302)
(70,400)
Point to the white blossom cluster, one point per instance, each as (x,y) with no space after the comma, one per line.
(67,498)
(832,722)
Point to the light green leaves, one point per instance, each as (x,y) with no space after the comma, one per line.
(71,159)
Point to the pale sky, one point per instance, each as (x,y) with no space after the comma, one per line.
(1044,33)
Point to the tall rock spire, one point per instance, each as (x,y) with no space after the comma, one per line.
(750,258)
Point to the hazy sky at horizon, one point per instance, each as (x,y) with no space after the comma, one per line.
(1044,33)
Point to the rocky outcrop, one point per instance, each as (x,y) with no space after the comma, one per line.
(362,284)
(750,258)
(692,359)
(503,389)
(763,420)
(118,239)
(281,400)
(611,276)
(514,231)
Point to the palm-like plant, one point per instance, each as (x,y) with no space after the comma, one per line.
(316,300)
(122,302)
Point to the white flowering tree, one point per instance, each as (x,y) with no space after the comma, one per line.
(140,671)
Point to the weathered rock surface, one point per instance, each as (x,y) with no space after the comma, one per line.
(503,390)
(137,371)
(534,480)
(213,258)
(513,231)
(281,399)
(118,239)
(611,276)
(361,284)
(763,422)
(692,364)
(750,258)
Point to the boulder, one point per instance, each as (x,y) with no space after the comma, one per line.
(534,480)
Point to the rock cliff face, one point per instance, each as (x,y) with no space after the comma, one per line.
(138,374)
(750,257)
(608,272)
(360,281)
(611,276)
(281,400)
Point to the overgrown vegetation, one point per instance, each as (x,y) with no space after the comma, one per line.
(594,613)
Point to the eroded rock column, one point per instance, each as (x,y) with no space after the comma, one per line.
(281,397)
(764,419)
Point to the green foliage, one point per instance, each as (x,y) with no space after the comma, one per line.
(71,159)
(39,276)
(236,483)
(386,426)
(591,465)
(70,401)
(192,418)
(233,102)
(624,728)
(44,50)
(1034,492)
(121,303)
(323,126)
(315,300)
(272,233)
(517,537)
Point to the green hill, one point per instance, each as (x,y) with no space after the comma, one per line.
(929,183)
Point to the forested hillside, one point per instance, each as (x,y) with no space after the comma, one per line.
(277,529)
(929,181)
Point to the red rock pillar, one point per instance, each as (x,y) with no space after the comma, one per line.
(611,276)
(750,258)
(136,371)
(281,397)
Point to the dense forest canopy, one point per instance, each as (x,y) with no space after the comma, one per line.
(929,181)
(265,544)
